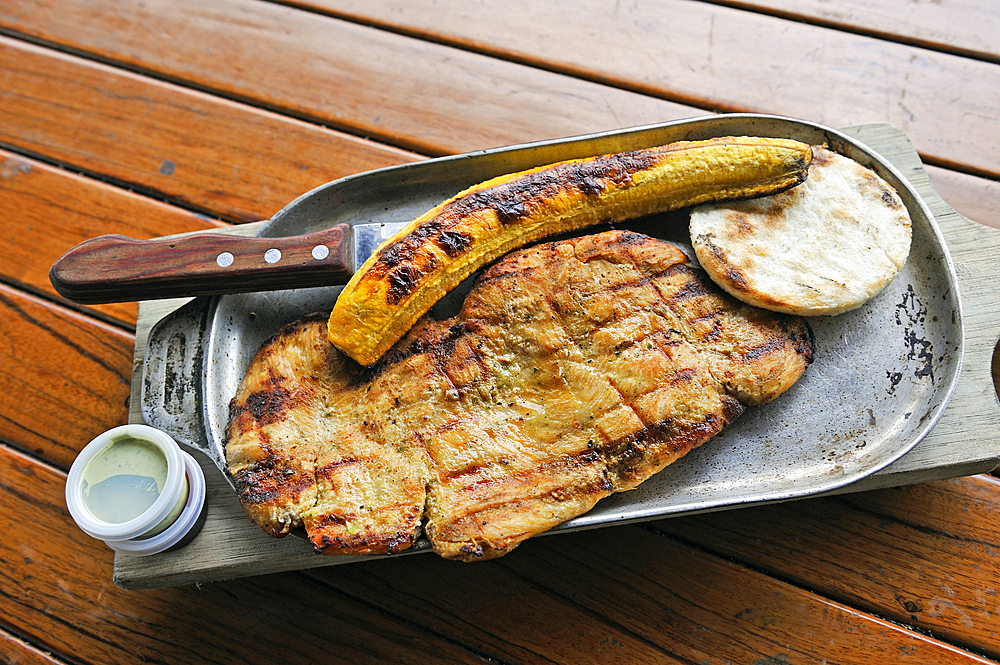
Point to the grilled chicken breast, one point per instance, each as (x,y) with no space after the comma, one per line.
(574,369)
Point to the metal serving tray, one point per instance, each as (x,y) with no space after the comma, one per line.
(881,378)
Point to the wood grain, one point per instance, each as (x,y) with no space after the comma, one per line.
(962,27)
(212,134)
(47,211)
(113,268)
(234,95)
(234,161)
(725,59)
(407,92)
(66,377)
(628,595)
(208,153)
(16,652)
(927,556)
(56,590)
(975,198)
(670,603)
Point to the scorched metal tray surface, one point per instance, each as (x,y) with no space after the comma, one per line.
(881,377)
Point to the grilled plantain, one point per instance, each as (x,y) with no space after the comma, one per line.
(412,270)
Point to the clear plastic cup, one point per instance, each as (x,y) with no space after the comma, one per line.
(135,489)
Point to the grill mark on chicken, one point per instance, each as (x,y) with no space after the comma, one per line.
(769,347)
(507,420)
(623,401)
(579,459)
(691,288)
(326,468)
(267,405)
(264,482)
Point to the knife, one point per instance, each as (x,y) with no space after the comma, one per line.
(116,268)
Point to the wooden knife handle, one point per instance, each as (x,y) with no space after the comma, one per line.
(116,268)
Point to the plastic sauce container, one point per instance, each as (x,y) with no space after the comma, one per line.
(135,489)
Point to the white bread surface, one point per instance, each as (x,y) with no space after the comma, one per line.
(824,247)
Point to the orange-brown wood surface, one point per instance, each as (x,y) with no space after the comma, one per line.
(976,198)
(48,210)
(685,604)
(205,152)
(617,595)
(13,650)
(66,377)
(942,584)
(415,93)
(73,609)
(727,59)
(157,117)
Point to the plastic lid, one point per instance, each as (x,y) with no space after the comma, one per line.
(186,521)
(169,496)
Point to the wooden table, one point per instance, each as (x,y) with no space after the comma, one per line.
(157,117)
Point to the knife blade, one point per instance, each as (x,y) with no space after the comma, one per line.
(117,268)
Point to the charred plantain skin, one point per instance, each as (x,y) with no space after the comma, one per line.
(415,268)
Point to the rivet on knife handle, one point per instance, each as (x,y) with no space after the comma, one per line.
(116,268)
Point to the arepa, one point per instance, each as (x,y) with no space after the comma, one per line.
(824,247)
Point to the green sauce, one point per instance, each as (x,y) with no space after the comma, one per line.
(124,480)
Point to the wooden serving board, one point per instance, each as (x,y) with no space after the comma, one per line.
(965,441)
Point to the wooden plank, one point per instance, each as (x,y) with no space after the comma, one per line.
(927,556)
(725,59)
(44,66)
(18,652)
(963,27)
(91,621)
(232,160)
(47,210)
(35,193)
(66,377)
(972,197)
(57,592)
(410,93)
(628,595)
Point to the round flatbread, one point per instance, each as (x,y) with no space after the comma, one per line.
(824,247)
